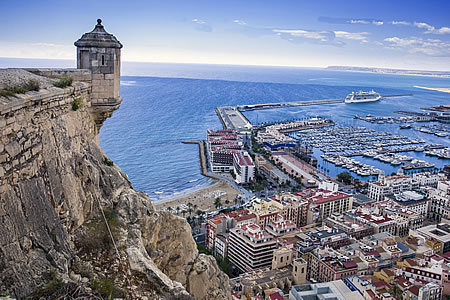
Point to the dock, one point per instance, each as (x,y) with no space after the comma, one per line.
(231,117)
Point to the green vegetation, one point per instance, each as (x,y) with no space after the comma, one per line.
(77,103)
(217,203)
(105,287)
(108,162)
(202,249)
(31,85)
(345,177)
(97,235)
(225,265)
(63,82)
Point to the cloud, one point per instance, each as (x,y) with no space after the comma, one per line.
(443,30)
(431,29)
(426,26)
(201,25)
(239,22)
(431,47)
(400,23)
(359,22)
(357,36)
(309,36)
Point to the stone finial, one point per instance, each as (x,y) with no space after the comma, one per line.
(98,38)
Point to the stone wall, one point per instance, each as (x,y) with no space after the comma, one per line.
(83,75)
(20,119)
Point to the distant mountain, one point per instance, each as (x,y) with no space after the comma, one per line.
(391,71)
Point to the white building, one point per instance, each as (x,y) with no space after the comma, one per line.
(426,179)
(439,201)
(244,168)
(390,185)
(413,201)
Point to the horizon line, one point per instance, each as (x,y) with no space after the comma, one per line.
(249,65)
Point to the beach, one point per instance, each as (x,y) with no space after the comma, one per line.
(204,198)
(444,90)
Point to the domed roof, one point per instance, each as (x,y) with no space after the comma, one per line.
(98,38)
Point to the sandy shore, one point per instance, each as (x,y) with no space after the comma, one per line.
(204,198)
(444,90)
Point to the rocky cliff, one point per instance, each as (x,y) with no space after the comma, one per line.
(55,183)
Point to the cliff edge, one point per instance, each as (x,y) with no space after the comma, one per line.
(61,200)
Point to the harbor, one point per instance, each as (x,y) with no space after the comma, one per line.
(231,117)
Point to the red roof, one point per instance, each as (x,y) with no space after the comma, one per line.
(380,284)
(276,296)
(349,264)
(403,282)
(327,196)
(374,253)
(414,290)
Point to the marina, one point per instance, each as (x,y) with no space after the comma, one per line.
(342,146)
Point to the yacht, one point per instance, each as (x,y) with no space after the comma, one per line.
(360,97)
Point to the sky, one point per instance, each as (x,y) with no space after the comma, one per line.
(393,34)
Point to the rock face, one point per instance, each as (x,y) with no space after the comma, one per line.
(54,177)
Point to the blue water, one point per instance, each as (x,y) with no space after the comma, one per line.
(176,102)
(144,137)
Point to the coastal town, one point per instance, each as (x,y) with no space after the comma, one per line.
(251,170)
(292,231)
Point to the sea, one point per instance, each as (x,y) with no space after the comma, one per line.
(165,104)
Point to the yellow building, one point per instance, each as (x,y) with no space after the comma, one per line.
(387,275)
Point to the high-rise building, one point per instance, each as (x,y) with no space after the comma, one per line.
(250,247)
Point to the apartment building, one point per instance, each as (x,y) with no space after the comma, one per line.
(327,202)
(243,167)
(221,224)
(266,211)
(270,171)
(349,226)
(326,264)
(250,247)
(280,227)
(221,145)
(295,208)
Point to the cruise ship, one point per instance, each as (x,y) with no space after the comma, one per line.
(359,97)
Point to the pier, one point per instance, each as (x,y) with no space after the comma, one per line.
(231,117)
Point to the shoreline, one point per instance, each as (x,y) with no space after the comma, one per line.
(204,198)
(443,90)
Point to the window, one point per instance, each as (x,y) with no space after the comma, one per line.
(303,270)
(103,60)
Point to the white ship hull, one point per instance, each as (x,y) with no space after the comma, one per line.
(362,100)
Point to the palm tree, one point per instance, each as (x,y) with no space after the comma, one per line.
(217,203)
(169,209)
(183,213)
(178,210)
(195,207)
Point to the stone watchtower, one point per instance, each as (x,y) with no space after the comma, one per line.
(99,52)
